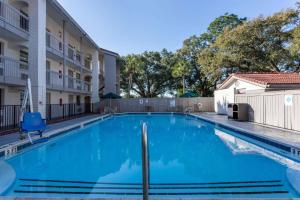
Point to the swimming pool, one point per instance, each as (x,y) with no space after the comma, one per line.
(189,157)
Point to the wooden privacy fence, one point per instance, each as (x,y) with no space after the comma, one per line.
(196,104)
(277,108)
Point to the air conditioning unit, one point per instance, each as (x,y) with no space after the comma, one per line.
(230,110)
(238,111)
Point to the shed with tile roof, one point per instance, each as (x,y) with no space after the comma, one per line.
(241,83)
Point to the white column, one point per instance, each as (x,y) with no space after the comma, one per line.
(37,53)
(95,77)
(110,66)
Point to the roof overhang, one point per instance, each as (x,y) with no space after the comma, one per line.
(233,78)
(105,51)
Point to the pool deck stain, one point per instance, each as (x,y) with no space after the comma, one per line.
(285,136)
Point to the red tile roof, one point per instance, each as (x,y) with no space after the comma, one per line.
(270,78)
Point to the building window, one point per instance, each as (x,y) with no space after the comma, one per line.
(87,62)
(1,9)
(24,23)
(60,46)
(23,59)
(77,76)
(71,52)
(22,95)
(24,76)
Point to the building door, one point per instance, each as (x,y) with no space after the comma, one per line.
(78,105)
(71,104)
(48,98)
(48,72)
(71,52)
(70,79)
(87,104)
(1,49)
(1,97)
(48,106)
(1,60)
(71,99)
(78,81)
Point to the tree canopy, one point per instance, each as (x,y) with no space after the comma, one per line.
(230,44)
(147,74)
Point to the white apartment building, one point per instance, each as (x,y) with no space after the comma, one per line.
(109,77)
(40,40)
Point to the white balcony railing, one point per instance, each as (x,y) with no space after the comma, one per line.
(54,43)
(54,79)
(13,16)
(86,86)
(75,56)
(87,64)
(77,84)
(13,71)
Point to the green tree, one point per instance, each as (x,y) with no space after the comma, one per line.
(295,50)
(198,80)
(256,45)
(130,66)
(217,27)
(180,70)
(146,75)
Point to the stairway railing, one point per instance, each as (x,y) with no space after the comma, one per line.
(145,162)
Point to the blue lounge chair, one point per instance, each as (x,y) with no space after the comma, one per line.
(33,122)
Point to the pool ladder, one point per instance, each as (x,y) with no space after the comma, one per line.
(145,162)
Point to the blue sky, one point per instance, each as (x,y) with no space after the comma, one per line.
(134,26)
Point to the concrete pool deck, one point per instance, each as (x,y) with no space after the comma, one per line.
(278,134)
(14,137)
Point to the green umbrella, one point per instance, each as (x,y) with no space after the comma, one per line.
(111,96)
(189,94)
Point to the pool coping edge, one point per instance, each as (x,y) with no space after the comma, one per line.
(13,148)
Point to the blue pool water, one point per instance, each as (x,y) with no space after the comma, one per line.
(188,158)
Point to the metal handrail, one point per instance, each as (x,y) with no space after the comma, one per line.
(145,162)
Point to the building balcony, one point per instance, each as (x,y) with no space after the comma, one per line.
(13,72)
(54,46)
(77,85)
(13,24)
(86,86)
(88,65)
(55,81)
(57,50)
(74,57)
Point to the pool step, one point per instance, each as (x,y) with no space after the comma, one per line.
(71,187)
